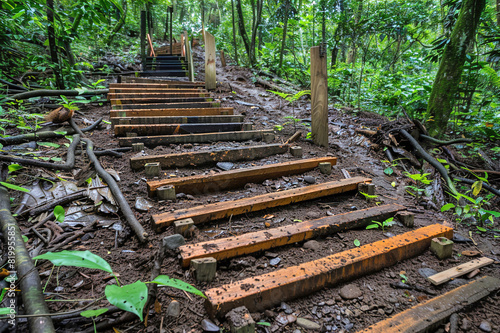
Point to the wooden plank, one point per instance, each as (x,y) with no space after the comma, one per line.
(171,112)
(222,58)
(319,98)
(267,290)
(121,101)
(151,49)
(181,105)
(134,82)
(157,95)
(175,129)
(460,270)
(429,315)
(204,184)
(189,58)
(165,73)
(155,90)
(226,248)
(210,75)
(220,210)
(205,157)
(179,119)
(162,140)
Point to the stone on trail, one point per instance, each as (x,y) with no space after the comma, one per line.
(350,291)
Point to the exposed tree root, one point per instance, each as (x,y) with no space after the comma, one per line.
(442,142)
(48,92)
(485,186)
(29,280)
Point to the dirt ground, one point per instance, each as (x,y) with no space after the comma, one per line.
(133,261)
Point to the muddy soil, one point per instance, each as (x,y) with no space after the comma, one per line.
(133,261)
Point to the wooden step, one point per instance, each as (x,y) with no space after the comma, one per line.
(263,240)
(162,140)
(155,83)
(165,73)
(173,112)
(156,67)
(161,95)
(156,100)
(204,184)
(429,315)
(174,129)
(178,120)
(267,290)
(181,105)
(205,157)
(220,210)
(164,57)
(155,90)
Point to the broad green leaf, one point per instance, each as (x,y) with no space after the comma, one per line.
(93,313)
(14,167)
(76,259)
(476,187)
(388,171)
(59,213)
(372,226)
(165,280)
(481,229)
(4,311)
(15,187)
(25,238)
(357,242)
(446,207)
(495,214)
(4,291)
(49,144)
(130,297)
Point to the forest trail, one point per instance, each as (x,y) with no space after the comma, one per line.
(269,223)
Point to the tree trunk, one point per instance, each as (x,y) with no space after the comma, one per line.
(243,33)
(255,26)
(285,27)
(119,24)
(52,43)
(448,77)
(234,35)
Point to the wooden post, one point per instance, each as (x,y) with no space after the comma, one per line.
(150,42)
(189,59)
(171,11)
(209,61)
(166,27)
(182,46)
(143,39)
(222,58)
(319,97)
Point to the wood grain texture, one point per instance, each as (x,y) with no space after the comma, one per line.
(189,58)
(175,129)
(132,82)
(248,153)
(211,183)
(179,119)
(220,210)
(319,98)
(210,75)
(459,270)
(267,290)
(180,105)
(144,101)
(171,112)
(427,316)
(252,242)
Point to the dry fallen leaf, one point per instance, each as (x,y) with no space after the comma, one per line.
(471,253)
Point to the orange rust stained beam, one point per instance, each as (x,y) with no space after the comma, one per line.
(154,95)
(427,316)
(267,290)
(231,179)
(153,83)
(161,140)
(179,119)
(231,247)
(132,100)
(220,210)
(188,112)
(154,90)
(204,157)
(181,105)
(172,129)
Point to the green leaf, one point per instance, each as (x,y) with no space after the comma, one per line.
(481,229)
(495,214)
(61,132)
(372,226)
(49,144)
(25,238)
(59,213)
(130,297)
(15,187)
(4,311)
(357,242)
(388,171)
(264,323)
(76,259)
(446,207)
(93,313)
(165,280)
(14,167)
(106,122)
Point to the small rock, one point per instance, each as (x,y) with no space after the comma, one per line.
(274,261)
(188,146)
(142,204)
(457,282)
(173,242)
(269,314)
(226,166)
(209,326)
(353,208)
(309,179)
(313,215)
(180,195)
(426,272)
(189,197)
(365,308)
(297,331)
(485,326)
(270,254)
(349,313)
(458,238)
(466,324)
(312,245)
(307,324)
(282,319)
(381,311)
(174,309)
(350,291)
(285,307)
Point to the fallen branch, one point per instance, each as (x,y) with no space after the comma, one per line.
(48,92)
(28,278)
(13,140)
(70,159)
(275,87)
(426,156)
(12,85)
(294,137)
(442,142)
(69,239)
(61,201)
(485,186)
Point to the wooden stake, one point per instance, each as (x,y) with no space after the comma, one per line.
(220,210)
(210,79)
(152,51)
(319,98)
(267,290)
(222,58)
